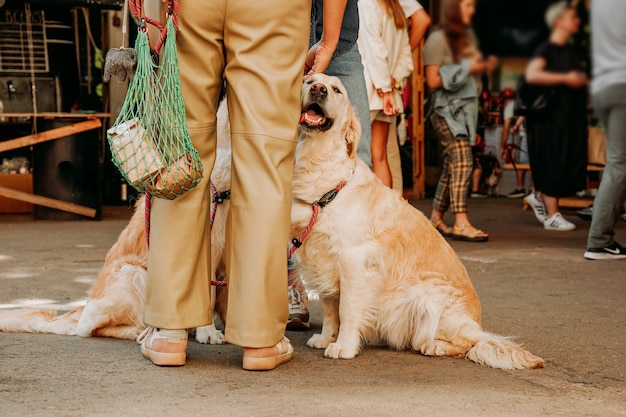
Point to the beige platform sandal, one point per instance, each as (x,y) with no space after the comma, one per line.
(284,354)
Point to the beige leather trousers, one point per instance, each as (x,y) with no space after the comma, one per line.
(259,47)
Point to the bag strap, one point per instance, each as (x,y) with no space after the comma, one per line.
(136,7)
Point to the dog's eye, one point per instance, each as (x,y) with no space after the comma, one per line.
(336,90)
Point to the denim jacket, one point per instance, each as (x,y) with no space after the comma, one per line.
(457,101)
(349,27)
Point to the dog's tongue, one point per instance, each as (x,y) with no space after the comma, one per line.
(311,117)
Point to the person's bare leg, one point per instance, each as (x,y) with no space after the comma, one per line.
(521,175)
(436,215)
(436,218)
(551,203)
(380,166)
(476,174)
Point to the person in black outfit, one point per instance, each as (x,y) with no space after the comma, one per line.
(557,139)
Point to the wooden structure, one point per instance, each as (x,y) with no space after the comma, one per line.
(92,121)
(418,131)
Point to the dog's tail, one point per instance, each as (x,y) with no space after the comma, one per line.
(425,318)
(40,321)
(502,353)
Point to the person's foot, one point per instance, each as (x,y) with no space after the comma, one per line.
(478,194)
(298,309)
(517,193)
(164,347)
(442,227)
(538,207)
(557,222)
(468,233)
(266,359)
(587,214)
(613,251)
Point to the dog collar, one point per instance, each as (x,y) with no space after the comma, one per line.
(323,201)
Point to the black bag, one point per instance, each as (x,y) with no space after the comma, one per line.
(532,100)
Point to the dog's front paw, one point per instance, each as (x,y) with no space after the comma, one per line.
(209,335)
(337,351)
(319,341)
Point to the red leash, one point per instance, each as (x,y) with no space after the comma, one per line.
(316,206)
(147,217)
(136,7)
(217,197)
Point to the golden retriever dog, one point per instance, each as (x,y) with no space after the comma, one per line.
(383,273)
(115,304)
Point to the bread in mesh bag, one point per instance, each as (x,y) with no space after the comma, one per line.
(177,178)
(135,152)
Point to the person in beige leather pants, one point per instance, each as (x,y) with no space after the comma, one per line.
(260,49)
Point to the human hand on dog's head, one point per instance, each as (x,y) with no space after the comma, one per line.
(318,59)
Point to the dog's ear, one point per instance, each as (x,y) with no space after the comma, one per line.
(352,131)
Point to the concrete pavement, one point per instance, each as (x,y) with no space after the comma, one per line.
(533,284)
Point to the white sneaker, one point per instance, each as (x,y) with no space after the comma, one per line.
(298,309)
(558,222)
(538,207)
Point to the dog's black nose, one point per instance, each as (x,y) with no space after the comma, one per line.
(319,90)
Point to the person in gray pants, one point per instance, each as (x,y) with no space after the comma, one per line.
(608,90)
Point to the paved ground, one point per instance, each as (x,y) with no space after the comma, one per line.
(533,284)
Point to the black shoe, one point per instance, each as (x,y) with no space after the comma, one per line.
(614,251)
(517,193)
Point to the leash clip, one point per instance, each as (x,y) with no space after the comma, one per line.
(327,198)
(220,196)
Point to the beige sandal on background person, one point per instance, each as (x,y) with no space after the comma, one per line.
(255,359)
(446,231)
(476,236)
